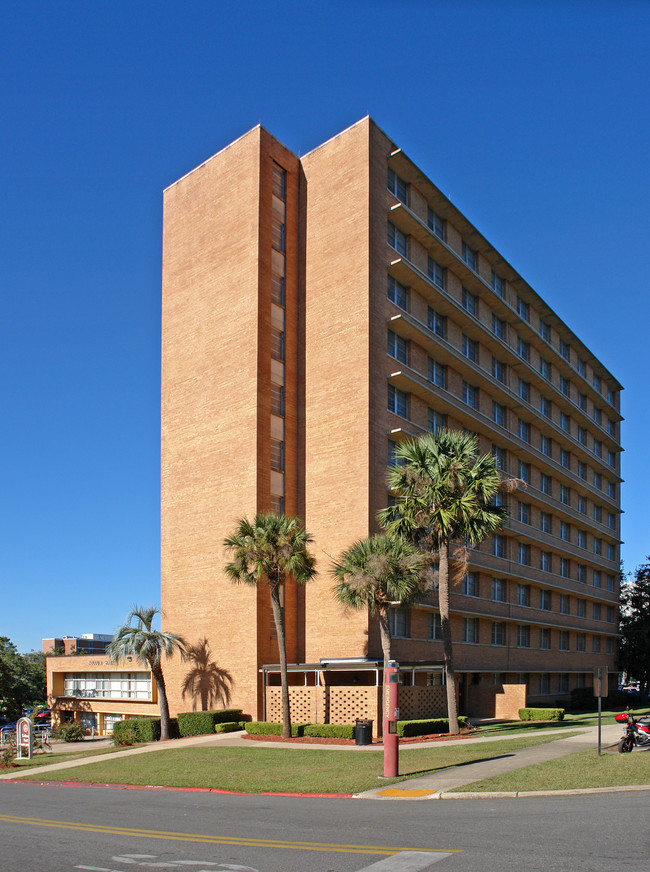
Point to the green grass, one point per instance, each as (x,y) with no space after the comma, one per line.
(584,769)
(571,721)
(258,770)
(46,758)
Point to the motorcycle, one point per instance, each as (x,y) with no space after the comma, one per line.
(636,733)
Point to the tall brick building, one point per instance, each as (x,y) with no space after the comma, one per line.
(318,310)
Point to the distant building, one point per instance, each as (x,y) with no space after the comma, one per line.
(87,643)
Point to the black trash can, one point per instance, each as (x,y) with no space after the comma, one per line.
(363,731)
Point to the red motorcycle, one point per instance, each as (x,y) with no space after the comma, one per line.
(636,733)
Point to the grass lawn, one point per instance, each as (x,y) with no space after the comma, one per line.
(257,770)
(584,769)
(60,756)
(571,721)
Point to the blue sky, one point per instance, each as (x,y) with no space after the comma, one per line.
(533,117)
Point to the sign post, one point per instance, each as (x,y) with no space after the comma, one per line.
(600,690)
(391,716)
(24,738)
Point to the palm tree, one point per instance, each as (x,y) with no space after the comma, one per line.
(147,646)
(378,573)
(445,493)
(205,679)
(269,550)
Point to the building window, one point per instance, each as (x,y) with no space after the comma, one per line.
(581,608)
(582,470)
(545,484)
(277,289)
(277,344)
(598,513)
(611,551)
(610,614)
(278,235)
(565,495)
(397,401)
(563,683)
(277,455)
(470,630)
(436,322)
(279,182)
(470,302)
(565,386)
(470,395)
(611,427)
(546,522)
(611,458)
(523,554)
(582,436)
(470,348)
(498,285)
(545,638)
(545,445)
(582,538)
(437,373)
(524,513)
(582,369)
(398,294)
(596,578)
(436,273)
(436,420)
(611,490)
(523,429)
(564,640)
(545,368)
(523,636)
(596,611)
(499,370)
(598,480)
(434,627)
(597,416)
(523,471)
(470,584)
(397,239)
(523,349)
(582,573)
(545,406)
(565,567)
(545,600)
(611,396)
(498,636)
(498,327)
(582,505)
(597,545)
(498,590)
(397,347)
(565,349)
(580,641)
(469,256)
(564,604)
(498,545)
(598,448)
(545,561)
(565,458)
(595,644)
(565,422)
(582,401)
(597,382)
(392,448)
(499,455)
(498,414)
(523,389)
(398,187)
(544,684)
(436,223)
(523,594)
(522,308)
(544,330)
(277,400)
(398,622)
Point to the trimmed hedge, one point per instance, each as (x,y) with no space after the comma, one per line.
(405,729)
(135,730)
(330,731)
(229,727)
(541,714)
(266,728)
(203,723)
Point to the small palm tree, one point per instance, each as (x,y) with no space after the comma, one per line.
(205,680)
(444,493)
(269,550)
(377,574)
(147,646)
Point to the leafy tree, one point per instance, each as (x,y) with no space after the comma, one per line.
(22,679)
(269,550)
(378,573)
(148,647)
(205,680)
(634,643)
(445,494)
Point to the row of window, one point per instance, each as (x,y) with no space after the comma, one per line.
(524,516)
(399,240)
(548,562)
(278,349)
(112,685)
(471,586)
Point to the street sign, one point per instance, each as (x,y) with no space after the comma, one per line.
(601,687)
(24,738)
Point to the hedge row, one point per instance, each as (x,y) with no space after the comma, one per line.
(424,727)
(229,727)
(266,728)
(203,723)
(134,730)
(541,714)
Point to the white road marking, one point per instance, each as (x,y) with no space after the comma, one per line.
(149,860)
(406,861)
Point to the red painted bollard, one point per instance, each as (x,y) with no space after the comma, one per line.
(391,716)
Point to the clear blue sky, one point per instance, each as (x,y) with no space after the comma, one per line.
(533,117)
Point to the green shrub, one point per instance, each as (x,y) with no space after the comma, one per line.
(405,729)
(203,723)
(541,714)
(330,731)
(266,728)
(125,733)
(229,727)
(134,730)
(71,732)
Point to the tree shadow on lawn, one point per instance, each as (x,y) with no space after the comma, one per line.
(485,759)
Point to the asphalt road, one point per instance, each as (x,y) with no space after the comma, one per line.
(61,828)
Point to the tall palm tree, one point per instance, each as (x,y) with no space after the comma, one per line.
(205,680)
(147,646)
(445,493)
(376,574)
(269,550)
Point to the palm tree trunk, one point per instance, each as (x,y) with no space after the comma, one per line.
(157,673)
(284,678)
(384,632)
(443,602)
